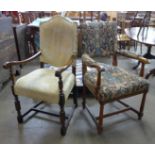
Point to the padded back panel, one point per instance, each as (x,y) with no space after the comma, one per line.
(58,41)
(99,38)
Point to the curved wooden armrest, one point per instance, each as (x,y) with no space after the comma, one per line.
(89,62)
(58,74)
(96,66)
(62,69)
(9,64)
(134,56)
(98,81)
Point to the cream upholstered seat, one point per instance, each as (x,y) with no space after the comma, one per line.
(58,47)
(43,80)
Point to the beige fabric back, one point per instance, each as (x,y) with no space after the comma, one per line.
(58,41)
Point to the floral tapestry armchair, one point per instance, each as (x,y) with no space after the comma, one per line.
(106,82)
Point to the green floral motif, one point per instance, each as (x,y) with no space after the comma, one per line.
(99,38)
(115,83)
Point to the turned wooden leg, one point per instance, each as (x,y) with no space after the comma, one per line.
(62,114)
(84,97)
(75,96)
(18,108)
(101,115)
(140,115)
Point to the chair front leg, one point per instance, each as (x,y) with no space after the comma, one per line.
(18,107)
(17,102)
(62,114)
(61,104)
(75,87)
(140,115)
(84,69)
(101,115)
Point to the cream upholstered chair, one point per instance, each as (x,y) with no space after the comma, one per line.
(58,47)
(109,83)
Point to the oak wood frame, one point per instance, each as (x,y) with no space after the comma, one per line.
(61,115)
(99,120)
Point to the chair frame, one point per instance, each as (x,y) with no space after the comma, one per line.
(61,115)
(99,120)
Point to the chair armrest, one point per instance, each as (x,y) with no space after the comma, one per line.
(89,62)
(9,64)
(60,82)
(62,69)
(134,56)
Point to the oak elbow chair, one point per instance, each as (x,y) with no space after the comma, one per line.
(109,83)
(58,47)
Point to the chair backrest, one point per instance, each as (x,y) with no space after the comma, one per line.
(58,41)
(99,38)
(141,18)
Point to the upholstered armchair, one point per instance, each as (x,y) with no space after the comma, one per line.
(58,47)
(106,82)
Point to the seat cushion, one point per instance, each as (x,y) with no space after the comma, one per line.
(115,83)
(42,84)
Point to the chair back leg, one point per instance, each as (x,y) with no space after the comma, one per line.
(84,96)
(75,96)
(140,115)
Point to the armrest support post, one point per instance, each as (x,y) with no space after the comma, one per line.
(142,70)
(139,58)
(88,62)
(114,59)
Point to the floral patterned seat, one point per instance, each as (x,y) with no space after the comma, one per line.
(115,83)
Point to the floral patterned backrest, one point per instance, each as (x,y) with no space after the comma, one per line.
(99,38)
